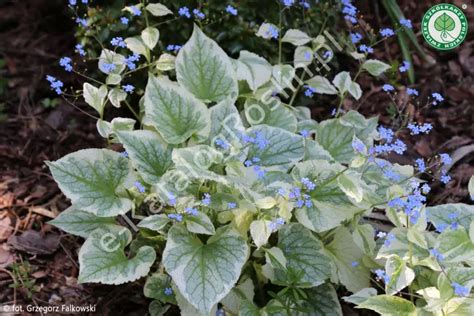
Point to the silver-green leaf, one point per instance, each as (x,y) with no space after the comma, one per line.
(204,273)
(176,114)
(149,155)
(95,180)
(204,69)
(102,258)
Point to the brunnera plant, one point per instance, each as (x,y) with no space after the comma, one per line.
(234,201)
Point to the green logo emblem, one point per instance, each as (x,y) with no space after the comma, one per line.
(444,26)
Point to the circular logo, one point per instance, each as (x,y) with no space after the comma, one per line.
(444,26)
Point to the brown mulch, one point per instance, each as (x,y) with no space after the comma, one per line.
(34,34)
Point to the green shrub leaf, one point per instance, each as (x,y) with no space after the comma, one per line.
(176,114)
(204,69)
(102,258)
(80,223)
(303,252)
(95,180)
(204,273)
(149,155)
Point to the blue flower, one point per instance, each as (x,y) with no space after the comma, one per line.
(355,38)
(108,68)
(420,164)
(445,159)
(176,217)
(388,240)
(416,129)
(198,14)
(276,224)
(387,32)
(425,188)
(436,254)
(305,4)
(260,141)
(65,62)
(366,49)
(272,32)
(411,91)
(128,88)
(136,11)
(206,200)
(386,134)
(304,133)
(354,264)
(309,185)
(124,20)
(124,154)
(168,291)
(184,11)
(191,211)
(222,144)
(445,178)
(171,199)
(131,60)
(460,290)
(80,50)
(259,171)
(230,9)
(288,3)
(309,92)
(382,275)
(72,2)
(55,84)
(358,146)
(118,41)
(406,23)
(388,87)
(405,66)
(231,205)
(295,192)
(438,98)
(139,187)
(81,22)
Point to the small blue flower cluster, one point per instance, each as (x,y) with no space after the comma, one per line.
(128,88)
(382,275)
(390,145)
(355,37)
(80,50)
(349,11)
(460,290)
(437,98)
(65,62)
(405,66)
(276,224)
(171,199)
(55,84)
(273,32)
(309,91)
(412,206)
(417,129)
(168,291)
(173,48)
(191,211)
(231,10)
(184,11)
(436,254)
(118,42)
(139,187)
(131,60)
(206,200)
(387,32)
(366,49)
(222,144)
(176,217)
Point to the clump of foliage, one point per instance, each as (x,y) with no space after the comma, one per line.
(246,205)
